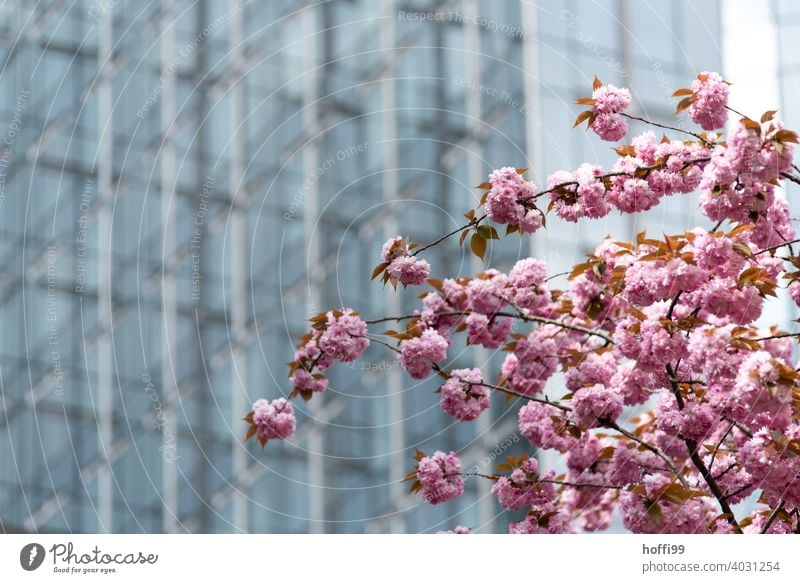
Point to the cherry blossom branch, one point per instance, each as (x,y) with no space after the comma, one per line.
(601,177)
(528,318)
(473,223)
(719,444)
(775,247)
(557,482)
(739,113)
(773,515)
(673,304)
(512,392)
(558,275)
(653,448)
(667,127)
(386,344)
(738,491)
(791,177)
(560,324)
(476,221)
(582,484)
(606,422)
(776,336)
(700,465)
(519,316)
(712,484)
(739,426)
(725,471)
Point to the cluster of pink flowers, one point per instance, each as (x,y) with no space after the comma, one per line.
(594,368)
(667,322)
(708,108)
(579,194)
(527,287)
(545,428)
(671,167)
(419,354)
(273,420)
(634,384)
(545,521)
(738,183)
(762,397)
(775,464)
(463,395)
(524,488)
(485,293)
(401,265)
(487,331)
(337,335)
(533,362)
(440,477)
(306,381)
(651,512)
(593,405)
(637,181)
(609,103)
(510,201)
(695,420)
(648,341)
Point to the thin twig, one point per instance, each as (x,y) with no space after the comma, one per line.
(719,444)
(472,223)
(557,482)
(775,247)
(656,450)
(738,491)
(772,517)
(666,127)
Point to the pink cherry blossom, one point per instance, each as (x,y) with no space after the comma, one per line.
(711,98)
(523,488)
(305,381)
(463,397)
(650,369)
(592,405)
(510,200)
(274,420)
(440,477)
(610,127)
(409,270)
(611,99)
(345,336)
(418,355)
(402,266)
(545,427)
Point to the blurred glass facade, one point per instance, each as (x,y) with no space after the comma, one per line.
(185,182)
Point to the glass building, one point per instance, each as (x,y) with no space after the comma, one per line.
(184,182)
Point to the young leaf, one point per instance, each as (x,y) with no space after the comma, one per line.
(768,115)
(582,118)
(478,245)
(379,269)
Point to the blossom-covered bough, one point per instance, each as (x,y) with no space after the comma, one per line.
(663,325)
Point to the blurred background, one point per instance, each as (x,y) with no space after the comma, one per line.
(183,183)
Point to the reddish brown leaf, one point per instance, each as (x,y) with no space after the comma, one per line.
(379,269)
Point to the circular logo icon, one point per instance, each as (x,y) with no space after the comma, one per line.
(31,556)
